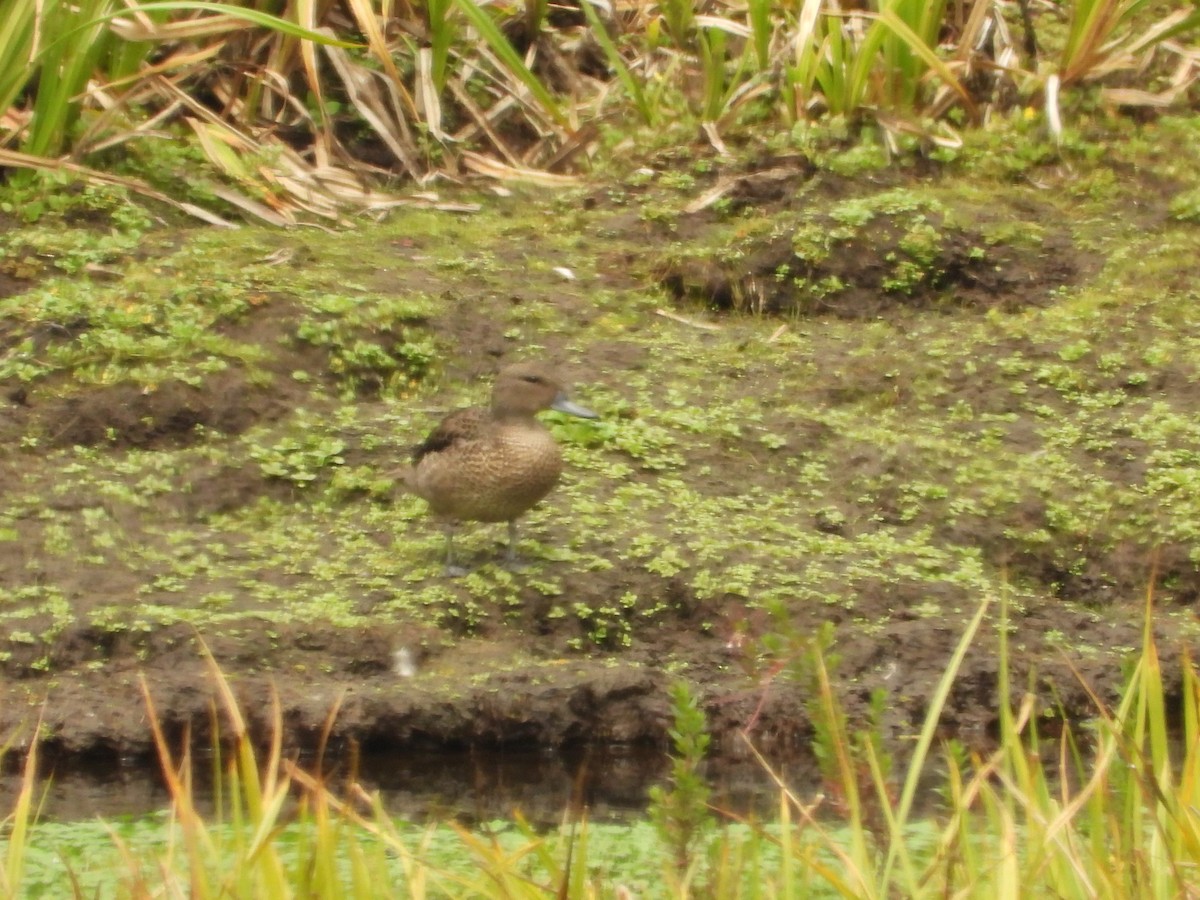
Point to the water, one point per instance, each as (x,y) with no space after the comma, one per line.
(472,785)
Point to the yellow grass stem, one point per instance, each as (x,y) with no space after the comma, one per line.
(18,822)
(916,767)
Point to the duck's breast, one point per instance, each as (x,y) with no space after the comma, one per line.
(492,478)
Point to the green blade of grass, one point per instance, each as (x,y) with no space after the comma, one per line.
(616,62)
(503,49)
(441,36)
(19,821)
(16,49)
(250,16)
(916,765)
(917,45)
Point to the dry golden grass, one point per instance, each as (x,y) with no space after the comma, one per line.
(298,115)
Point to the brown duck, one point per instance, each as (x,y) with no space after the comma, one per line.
(493,464)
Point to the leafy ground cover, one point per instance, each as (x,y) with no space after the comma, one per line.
(837,398)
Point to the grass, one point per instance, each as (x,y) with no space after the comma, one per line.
(1111,813)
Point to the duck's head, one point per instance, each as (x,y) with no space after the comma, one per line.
(524,389)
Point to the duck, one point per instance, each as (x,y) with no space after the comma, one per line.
(493,464)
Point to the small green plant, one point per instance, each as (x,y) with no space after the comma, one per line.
(1186,206)
(680,814)
(300,460)
(922,242)
(372,340)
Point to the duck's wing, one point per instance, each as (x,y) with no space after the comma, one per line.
(456,428)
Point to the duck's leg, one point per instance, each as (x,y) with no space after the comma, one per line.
(453,570)
(510,558)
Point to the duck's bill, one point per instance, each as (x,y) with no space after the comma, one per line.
(563,405)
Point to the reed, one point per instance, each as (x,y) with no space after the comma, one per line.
(510,89)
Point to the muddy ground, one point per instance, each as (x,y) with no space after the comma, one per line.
(858,401)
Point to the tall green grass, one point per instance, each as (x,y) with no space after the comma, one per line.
(1104,36)
(49,52)
(15,826)
(1110,811)
(60,45)
(449,83)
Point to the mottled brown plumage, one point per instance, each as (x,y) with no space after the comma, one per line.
(493,464)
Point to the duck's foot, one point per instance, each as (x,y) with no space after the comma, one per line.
(453,570)
(513,561)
